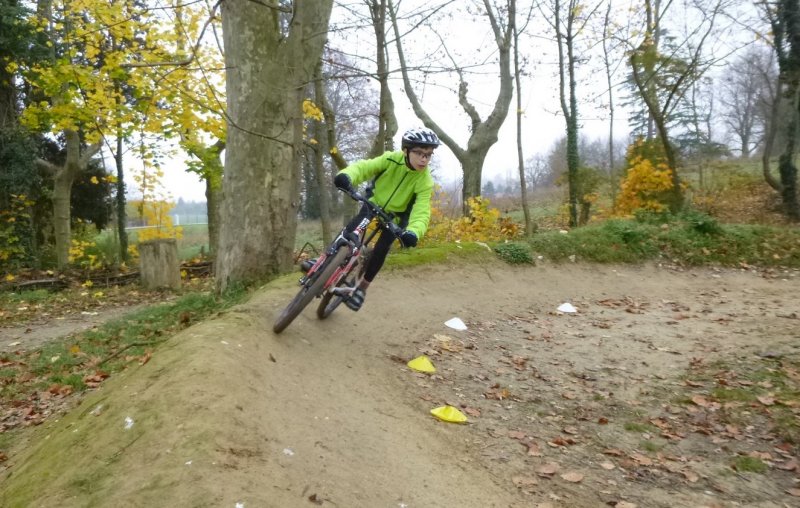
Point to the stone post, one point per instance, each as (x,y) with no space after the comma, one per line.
(159,264)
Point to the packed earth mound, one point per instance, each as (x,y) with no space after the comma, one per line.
(654,387)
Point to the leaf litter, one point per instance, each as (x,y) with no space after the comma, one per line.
(612,400)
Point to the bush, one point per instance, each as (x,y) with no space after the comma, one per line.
(514,253)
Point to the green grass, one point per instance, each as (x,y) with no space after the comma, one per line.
(639,427)
(689,239)
(26,297)
(746,464)
(652,446)
(110,347)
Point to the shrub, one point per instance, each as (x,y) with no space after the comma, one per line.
(514,253)
(483,224)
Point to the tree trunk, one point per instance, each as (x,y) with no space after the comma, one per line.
(213,199)
(530,227)
(62,192)
(122,232)
(387,122)
(786,164)
(771,131)
(267,71)
(320,131)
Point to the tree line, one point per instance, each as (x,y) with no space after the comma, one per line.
(290,91)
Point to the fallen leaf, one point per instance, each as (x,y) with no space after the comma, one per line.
(691,476)
(766,400)
(700,401)
(641,459)
(602,420)
(794,492)
(568,395)
(613,451)
(572,476)
(625,504)
(516,434)
(523,482)
(789,466)
(608,466)
(533,450)
(548,470)
(472,411)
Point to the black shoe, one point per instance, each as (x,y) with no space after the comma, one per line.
(356,300)
(306,264)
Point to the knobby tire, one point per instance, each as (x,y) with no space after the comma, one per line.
(308,292)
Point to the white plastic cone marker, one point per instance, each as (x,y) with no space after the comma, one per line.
(567,307)
(449,414)
(456,324)
(422,364)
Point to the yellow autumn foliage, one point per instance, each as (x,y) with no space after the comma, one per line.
(483,224)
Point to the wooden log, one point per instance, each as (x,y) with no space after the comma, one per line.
(159,265)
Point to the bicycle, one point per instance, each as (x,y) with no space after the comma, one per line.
(338,270)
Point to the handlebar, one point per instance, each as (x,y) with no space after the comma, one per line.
(385,217)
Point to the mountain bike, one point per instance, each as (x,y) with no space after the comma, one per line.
(337,271)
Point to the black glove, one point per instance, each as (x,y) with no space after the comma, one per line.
(408,238)
(342,181)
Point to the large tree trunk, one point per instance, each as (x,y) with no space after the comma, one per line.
(63,179)
(267,71)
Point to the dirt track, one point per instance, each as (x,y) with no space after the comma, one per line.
(326,414)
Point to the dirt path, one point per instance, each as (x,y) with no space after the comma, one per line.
(564,409)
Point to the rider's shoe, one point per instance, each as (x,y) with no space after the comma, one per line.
(306,264)
(356,300)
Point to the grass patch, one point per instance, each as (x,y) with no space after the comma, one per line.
(747,464)
(691,239)
(642,428)
(436,253)
(514,253)
(108,349)
(652,446)
(26,297)
(723,394)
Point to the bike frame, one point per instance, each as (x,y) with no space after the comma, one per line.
(336,265)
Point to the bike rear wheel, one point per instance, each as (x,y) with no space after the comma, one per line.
(311,289)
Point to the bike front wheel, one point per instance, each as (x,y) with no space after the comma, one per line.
(309,290)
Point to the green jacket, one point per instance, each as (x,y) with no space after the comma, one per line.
(399,185)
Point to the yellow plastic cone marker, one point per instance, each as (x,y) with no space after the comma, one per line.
(449,414)
(421,364)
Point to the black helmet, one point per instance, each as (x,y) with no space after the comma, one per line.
(420,137)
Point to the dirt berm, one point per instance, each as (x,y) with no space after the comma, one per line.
(228,414)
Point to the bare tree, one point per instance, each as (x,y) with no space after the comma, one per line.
(271,52)
(530,226)
(483,133)
(746,84)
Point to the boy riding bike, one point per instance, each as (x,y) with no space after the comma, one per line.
(402,185)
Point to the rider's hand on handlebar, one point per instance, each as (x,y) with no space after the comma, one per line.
(408,238)
(342,181)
